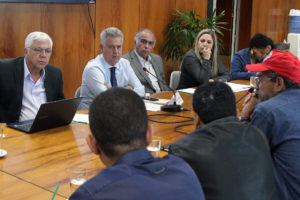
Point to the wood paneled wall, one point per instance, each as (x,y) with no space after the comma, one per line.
(270,17)
(244,28)
(72,33)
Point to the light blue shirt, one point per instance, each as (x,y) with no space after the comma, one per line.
(97,73)
(34,95)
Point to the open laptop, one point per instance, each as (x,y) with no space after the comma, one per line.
(50,115)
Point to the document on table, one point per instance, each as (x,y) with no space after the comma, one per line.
(234,86)
(81,118)
(238,87)
(152,106)
(187,90)
(159,101)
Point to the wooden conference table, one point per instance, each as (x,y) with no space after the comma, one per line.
(37,162)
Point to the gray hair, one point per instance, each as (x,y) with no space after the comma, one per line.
(111,32)
(138,34)
(37,36)
(214,50)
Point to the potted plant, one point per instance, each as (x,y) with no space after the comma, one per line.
(183,30)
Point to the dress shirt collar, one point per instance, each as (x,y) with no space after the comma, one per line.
(144,159)
(141,59)
(222,120)
(138,156)
(108,66)
(27,72)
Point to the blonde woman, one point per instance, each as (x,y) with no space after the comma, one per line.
(201,64)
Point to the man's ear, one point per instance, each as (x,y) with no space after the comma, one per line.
(101,47)
(149,135)
(197,121)
(25,51)
(92,143)
(135,43)
(279,85)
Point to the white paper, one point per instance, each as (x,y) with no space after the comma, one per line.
(187,90)
(152,106)
(234,86)
(82,118)
(238,87)
(160,101)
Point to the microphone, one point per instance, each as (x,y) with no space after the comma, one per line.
(167,108)
(248,92)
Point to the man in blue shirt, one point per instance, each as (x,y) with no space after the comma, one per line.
(120,134)
(108,69)
(260,47)
(276,113)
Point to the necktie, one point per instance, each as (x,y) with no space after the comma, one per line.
(113,79)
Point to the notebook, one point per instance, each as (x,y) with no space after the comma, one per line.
(50,115)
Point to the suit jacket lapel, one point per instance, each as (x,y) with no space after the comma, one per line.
(48,84)
(156,68)
(18,85)
(139,67)
(19,78)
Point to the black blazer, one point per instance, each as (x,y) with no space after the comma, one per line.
(194,73)
(11,87)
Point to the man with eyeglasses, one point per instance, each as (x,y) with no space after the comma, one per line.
(275,110)
(147,66)
(108,69)
(27,82)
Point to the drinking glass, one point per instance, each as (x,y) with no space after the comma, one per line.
(78,175)
(154,146)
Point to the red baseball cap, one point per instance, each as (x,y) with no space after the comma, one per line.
(283,63)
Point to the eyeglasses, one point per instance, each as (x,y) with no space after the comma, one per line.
(39,50)
(259,80)
(144,41)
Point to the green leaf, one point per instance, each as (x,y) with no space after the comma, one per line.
(184,28)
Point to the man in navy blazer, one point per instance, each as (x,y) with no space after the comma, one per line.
(27,82)
(147,66)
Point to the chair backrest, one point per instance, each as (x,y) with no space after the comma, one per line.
(77,93)
(174,79)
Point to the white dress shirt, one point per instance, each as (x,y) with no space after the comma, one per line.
(97,72)
(34,95)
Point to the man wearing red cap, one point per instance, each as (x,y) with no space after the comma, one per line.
(275,110)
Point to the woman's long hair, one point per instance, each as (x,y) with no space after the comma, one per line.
(214,49)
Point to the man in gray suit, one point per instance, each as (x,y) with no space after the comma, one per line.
(147,66)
